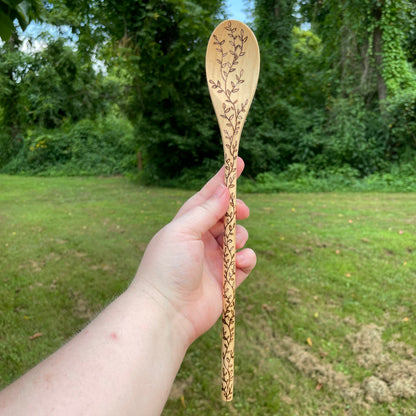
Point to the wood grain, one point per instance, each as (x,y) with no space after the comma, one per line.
(232,69)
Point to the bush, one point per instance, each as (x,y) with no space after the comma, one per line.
(103,147)
(298,178)
(7,147)
(356,136)
(401,112)
(170,151)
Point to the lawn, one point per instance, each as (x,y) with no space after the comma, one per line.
(325,323)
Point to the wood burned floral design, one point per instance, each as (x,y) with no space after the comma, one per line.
(230,82)
(229,52)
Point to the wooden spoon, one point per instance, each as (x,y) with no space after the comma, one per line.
(232,69)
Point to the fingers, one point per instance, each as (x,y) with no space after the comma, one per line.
(243,212)
(208,189)
(219,178)
(245,262)
(202,217)
(241,237)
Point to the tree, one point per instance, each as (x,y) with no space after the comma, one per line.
(61,86)
(364,44)
(15,10)
(158,48)
(23,12)
(46,89)
(163,46)
(13,66)
(269,142)
(370,78)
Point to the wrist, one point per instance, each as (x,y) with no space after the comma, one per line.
(163,316)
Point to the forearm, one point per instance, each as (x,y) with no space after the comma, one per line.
(122,363)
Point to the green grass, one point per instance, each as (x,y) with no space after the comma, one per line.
(329,265)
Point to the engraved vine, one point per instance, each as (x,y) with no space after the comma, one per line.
(229,86)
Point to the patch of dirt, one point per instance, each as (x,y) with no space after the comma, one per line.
(293,296)
(81,307)
(52,257)
(400,376)
(103,267)
(393,365)
(59,241)
(400,348)
(391,378)
(321,372)
(367,345)
(350,320)
(299,250)
(377,390)
(179,387)
(80,254)
(33,265)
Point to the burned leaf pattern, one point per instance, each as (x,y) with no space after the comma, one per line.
(230,51)
(231,80)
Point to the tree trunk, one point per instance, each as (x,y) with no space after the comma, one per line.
(378,56)
(11,115)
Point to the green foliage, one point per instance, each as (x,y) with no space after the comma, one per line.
(189,178)
(272,125)
(13,66)
(337,96)
(170,93)
(59,86)
(364,44)
(274,20)
(100,147)
(6,148)
(23,11)
(167,154)
(356,137)
(301,178)
(401,111)
(158,49)
(397,71)
(287,119)
(47,89)
(321,105)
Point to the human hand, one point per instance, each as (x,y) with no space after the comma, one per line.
(182,266)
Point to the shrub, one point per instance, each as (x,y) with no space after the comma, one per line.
(7,147)
(401,112)
(356,136)
(298,178)
(102,147)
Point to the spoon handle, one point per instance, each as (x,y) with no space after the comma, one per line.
(229,270)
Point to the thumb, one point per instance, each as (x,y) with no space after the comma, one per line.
(201,218)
